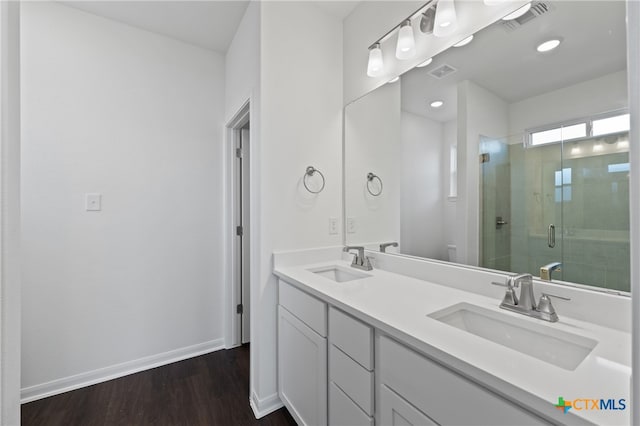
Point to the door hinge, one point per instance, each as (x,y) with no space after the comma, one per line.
(240,309)
(239,152)
(485,158)
(239,231)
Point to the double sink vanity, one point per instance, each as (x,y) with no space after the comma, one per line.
(360,347)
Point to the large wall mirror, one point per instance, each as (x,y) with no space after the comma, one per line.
(502,156)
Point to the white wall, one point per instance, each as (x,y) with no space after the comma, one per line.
(10,304)
(372,129)
(422,197)
(602,94)
(300,125)
(136,117)
(480,113)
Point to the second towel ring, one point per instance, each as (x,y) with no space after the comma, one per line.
(310,172)
(370,178)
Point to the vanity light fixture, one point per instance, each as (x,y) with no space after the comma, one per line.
(394,79)
(436,104)
(518,12)
(548,45)
(464,42)
(406,47)
(375,67)
(424,63)
(427,21)
(446,19)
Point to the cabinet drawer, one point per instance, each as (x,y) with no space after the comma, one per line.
(342,410)
(353,337)
(307,308)
(440,393)
(354,380)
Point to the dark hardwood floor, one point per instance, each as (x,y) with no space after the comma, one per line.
(211,389)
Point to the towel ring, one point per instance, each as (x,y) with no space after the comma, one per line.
(310,172)
(370,178)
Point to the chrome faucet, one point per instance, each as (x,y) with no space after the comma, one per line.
(546,270)
(526,304)
(360,261)
(383,247)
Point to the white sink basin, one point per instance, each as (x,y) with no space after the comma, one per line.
(557,347)
(338,273)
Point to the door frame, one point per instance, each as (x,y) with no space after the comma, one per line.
(233,128)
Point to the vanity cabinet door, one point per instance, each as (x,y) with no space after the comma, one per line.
(302,370)
(395,411)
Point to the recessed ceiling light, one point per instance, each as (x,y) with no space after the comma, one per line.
(518,12)
(464,42)
(436,104)
(393,80)
(425,63)
(548,45)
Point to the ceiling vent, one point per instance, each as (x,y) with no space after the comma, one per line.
(442,71)
(537,9)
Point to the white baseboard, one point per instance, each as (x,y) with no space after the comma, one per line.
(262,407)
(88,378)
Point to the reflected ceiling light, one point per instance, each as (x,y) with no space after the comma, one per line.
(406,47)
(518,12)
(446,19)
(598,147)
(425,63)
(394,79)
(464,42)
(623,144)
(548,45)
(575,150)
(375,67)
(428,20)
(436,104)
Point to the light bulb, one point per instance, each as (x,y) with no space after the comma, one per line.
(406,47)
(518,12)
(375,67)
(446,19)
(424,63)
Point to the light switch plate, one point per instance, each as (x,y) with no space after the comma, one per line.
(93,202)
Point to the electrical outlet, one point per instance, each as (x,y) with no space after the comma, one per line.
(333,225)
(351,225)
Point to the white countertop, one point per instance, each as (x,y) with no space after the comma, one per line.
(399,305)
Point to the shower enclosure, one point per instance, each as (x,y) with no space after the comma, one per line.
(559,194)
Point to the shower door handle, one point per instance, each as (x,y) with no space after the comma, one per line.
(551,236)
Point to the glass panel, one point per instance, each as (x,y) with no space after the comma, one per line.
(596,211)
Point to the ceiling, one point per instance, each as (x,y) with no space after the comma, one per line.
(507,64)
(210,24)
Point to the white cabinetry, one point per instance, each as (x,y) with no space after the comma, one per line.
(302,355)
(351,375)
(422,387)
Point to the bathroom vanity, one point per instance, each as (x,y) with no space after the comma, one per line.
(377,347)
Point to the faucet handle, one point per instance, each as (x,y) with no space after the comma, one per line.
(546,308)
(510,297)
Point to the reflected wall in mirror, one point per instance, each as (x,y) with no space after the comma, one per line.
(511,158)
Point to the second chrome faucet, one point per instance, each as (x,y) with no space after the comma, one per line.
(526,303)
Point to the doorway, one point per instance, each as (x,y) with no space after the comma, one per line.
(239,214)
